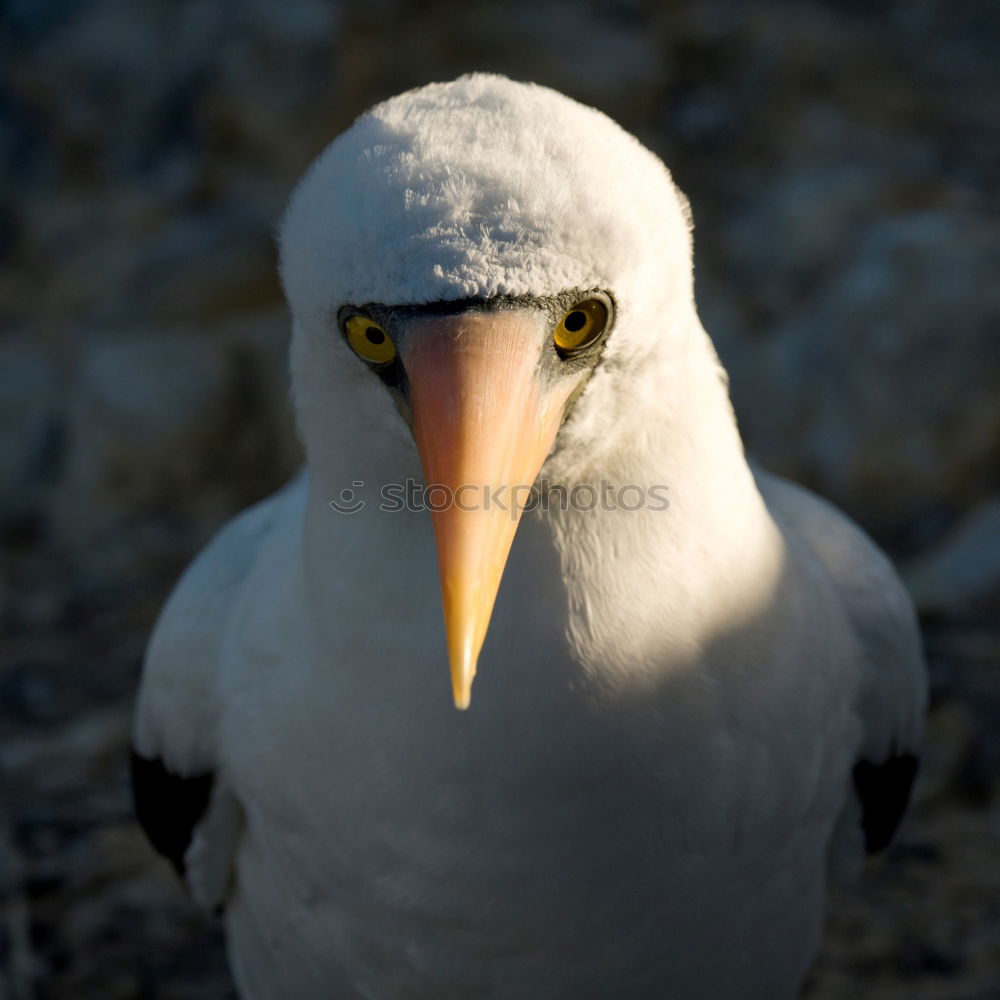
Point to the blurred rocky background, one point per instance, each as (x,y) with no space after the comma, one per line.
(842,159)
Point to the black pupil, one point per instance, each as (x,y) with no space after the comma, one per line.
(375,335)
(575,321)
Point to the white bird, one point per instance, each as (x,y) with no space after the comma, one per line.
(687,713)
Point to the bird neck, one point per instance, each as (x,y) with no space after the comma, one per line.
(712,546)
(673,430)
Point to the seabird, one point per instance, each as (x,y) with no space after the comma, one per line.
(700,687)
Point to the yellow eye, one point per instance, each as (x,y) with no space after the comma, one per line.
(370,341)
(581,326)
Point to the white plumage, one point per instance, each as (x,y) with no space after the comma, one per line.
(656,770)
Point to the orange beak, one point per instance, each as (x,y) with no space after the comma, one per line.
(483,425)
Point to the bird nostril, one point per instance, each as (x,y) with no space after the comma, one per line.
(575,321)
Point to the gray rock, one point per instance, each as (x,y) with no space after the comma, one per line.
(138,413)
(170,426)
(28,411)
(882,393)
(961,574)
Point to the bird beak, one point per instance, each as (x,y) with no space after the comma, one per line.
(484,423)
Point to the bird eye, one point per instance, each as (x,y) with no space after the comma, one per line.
(370,341)
(581,327)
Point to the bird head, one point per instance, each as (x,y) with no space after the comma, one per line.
(469,264)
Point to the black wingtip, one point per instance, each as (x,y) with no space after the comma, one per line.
(884,790)
(168,806)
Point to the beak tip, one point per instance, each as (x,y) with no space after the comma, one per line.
(462,690)
(462,675)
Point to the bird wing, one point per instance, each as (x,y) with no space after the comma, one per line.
(182,799)
(892,690)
